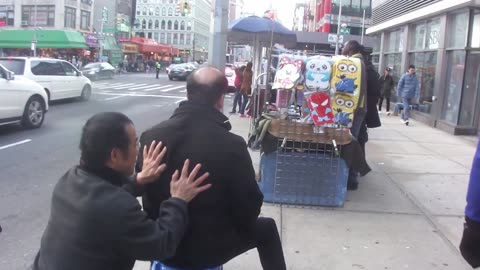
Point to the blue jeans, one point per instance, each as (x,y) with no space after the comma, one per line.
(406,108)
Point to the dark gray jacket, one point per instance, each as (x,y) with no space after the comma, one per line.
(96,224)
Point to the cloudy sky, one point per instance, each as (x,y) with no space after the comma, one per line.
(284,8)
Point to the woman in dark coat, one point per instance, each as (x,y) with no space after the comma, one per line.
(387,84)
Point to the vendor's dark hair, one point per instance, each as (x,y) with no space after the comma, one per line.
(411,66)
(206,93)
(103,132)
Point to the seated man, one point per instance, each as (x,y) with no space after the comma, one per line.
(224,220)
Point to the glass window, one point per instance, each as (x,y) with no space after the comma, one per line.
(394,61)
(170,12)
(84,19)
(175,38)
(395,41)
(475,42)
(189,26)
(182,25)
(139,10)
(175,25)
(47,68)
(45,15)
(169,25)
(169,38)
(471,89)
(164,12)
(433,34)
(144,11)
(425,64)
(188,39)
(417,37)
(162,37)
(144,24)
(15,65)
(458,24)
(171,1)
(150,11)
(155,36)
(455,70)
(182,39)
(157,11)
(157,24)
(163,24)
(376,43)
(149,35)
(150,24)
(376,60)
(69,69)
(6,15)
(70,16)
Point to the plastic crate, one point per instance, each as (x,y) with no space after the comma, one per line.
(317,179)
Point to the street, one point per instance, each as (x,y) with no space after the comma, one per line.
(31,161)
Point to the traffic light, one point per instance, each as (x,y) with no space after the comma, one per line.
(180,6)
(186,8)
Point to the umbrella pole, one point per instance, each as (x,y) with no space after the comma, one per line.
(269,63)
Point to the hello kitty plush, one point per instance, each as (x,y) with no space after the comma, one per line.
(287,76)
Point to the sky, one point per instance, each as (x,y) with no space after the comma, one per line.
(284,8)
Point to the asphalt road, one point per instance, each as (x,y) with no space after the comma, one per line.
(31,161)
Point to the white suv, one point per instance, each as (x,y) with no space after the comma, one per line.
(21,100)
(59,78)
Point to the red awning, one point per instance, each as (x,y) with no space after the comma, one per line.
(175,50)
(146,45)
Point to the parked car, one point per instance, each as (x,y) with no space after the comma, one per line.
(230,74)
(170,67)
(59,78)
(21,100)
(181,71)
(96,71)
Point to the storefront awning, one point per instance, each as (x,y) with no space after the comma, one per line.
(54,39)
(109,43)
(149,45)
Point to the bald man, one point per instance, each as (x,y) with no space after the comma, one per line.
(224,220)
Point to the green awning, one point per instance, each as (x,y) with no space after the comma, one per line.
(54,39)
(109,44)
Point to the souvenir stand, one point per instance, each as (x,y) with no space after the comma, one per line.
(304,137)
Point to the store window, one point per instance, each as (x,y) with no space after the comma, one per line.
(417,37)
(162,37)
(169,38)
(175,38)
(455,71)
(170,12)
(395,41)
(182,25)
(458,25)
(169,25)
(149,35)
(175,25)
(471,89)
(70,16)
(144,13)
(139,10)
(150,11)
(150,24)
(155,36)
(425,64)
(188,40)
(157,11)
(157,24)
(84,19)
(7,15)
(164,12)
(189,26)
(394,61)
(163,25)
(433,34)
(475,42)
(182,39)
(45,15)
(144,24)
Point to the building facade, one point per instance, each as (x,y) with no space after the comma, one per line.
(326,18)
(118,19)
(442,39)
(54,14)
(163,21)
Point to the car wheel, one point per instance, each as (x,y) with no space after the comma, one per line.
(34,113)
(86,93)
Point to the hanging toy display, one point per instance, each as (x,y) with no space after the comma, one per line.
(321,109)
(287,75)
(318,73)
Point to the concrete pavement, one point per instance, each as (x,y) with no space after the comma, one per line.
(407,213)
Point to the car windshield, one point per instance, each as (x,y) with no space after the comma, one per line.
(15,65)
(92,65)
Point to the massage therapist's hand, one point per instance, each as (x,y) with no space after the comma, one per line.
(151,168)
(186,186)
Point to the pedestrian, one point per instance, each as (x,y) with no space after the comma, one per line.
(95,220)
(224,221)
(470,244)
(158,66)
(238,94)
(408,89)
(387,84)
(246,87)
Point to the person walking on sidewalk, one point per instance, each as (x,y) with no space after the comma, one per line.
(95,223)
(387,84)
(158,66)
(408,89)
(238,94)
(470,244)
(246,87)
(224,221)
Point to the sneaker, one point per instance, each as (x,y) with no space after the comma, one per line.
(407,122)
(233,112)
(389,113)
(402,121)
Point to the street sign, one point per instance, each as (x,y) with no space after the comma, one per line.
(105,14)
(345,31)
(332,38)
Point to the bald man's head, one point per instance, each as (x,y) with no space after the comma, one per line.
(206,86)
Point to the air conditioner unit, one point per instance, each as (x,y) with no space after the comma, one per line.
(24,23)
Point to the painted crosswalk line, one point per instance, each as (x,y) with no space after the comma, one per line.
(158,88)
(173,88)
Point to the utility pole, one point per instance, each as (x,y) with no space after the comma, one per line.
(34,41)
(363,26)
(193,48)
(338,29)
(218,40)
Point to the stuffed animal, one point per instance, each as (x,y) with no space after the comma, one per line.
(319,73)
(321,109)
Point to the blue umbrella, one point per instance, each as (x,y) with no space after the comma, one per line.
(248,29)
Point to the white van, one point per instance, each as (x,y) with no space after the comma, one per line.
(21,100)
(59,78)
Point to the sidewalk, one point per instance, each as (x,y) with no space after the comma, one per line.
(406,214)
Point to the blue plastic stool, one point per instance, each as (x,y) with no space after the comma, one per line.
(160,266)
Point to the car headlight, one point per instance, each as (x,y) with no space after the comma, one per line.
(92,72)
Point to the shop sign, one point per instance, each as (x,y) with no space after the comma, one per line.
(332,38)
(129,48)
(91,40)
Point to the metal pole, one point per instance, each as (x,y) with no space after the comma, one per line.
(193,48)
(338,28)
(34,45)
(218,41)
(101,46)
(363,26)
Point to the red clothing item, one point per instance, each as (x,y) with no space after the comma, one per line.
(238,79)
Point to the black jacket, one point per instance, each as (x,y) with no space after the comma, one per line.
(96,225)
(372,120)
(387,85)
(221,217)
